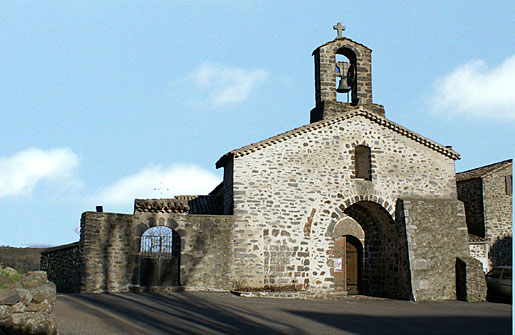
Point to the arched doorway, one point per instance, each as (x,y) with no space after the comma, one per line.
(160,252)
(348,255)
(384,266)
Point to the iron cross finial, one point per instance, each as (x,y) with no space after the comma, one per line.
(161,189)
(339,28)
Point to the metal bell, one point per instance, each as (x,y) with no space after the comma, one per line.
(343,87)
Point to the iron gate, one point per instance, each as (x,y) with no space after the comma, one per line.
(159,260)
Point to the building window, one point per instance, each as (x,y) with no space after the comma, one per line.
(508,181)
(362,162)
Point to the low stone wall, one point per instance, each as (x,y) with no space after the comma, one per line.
(26,306)
(306,295)
(470,279)
(206,247)
(63,265)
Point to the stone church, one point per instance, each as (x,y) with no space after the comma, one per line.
(351,203)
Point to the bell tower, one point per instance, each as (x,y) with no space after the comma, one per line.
(343,78)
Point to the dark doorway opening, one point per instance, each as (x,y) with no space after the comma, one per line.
(385,263)
(160,257)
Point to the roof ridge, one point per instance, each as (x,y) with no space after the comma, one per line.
(488,165)
(165,205)
(341,38)
(482,171)
(322,123)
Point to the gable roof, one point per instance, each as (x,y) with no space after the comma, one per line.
(482,171)
(324,123)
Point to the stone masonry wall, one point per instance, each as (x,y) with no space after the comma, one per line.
(437,234)
(110,245)
(228,188)
(498,216)
(206,247)
(470,280)
(105,250)
(471,193)
(26,307)
(63,267)
(284,195)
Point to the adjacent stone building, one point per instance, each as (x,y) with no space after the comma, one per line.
(351,203)
(487,193)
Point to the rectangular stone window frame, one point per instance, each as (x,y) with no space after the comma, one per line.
(362,158)
(508,182)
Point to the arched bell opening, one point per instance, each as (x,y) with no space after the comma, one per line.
(159,257)
(346,76)
(385,269)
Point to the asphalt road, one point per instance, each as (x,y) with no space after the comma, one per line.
(224,313)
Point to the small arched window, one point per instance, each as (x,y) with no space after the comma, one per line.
(362,162)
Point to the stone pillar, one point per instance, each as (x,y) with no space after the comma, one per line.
(104,248)
(437,234)
(470,279)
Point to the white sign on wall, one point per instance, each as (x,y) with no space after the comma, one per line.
(338,264)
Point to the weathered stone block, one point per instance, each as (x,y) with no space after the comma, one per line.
(470,279)
(5,311)
(9,297)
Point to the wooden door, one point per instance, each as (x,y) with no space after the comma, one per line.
(351,267)
(339,256)
(346,265)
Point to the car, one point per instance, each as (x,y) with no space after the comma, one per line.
(498,282)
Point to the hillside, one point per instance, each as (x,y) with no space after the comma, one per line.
(22,259)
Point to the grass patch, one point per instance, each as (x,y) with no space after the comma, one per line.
(9,276)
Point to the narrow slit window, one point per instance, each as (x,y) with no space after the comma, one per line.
(363,164)
(508,181)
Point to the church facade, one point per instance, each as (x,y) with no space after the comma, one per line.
(351,203)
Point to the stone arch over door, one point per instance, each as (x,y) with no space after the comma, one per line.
(349,239)
(385,269)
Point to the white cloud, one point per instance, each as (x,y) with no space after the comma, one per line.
(21,172)
(475,90)
(176,179)
(221,85)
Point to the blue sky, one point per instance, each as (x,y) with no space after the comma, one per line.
(103,102)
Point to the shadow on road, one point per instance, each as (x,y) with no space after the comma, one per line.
(182,313)
(222,313)
(420,325)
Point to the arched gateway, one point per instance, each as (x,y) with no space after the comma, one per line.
(370,256)
(159,257)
